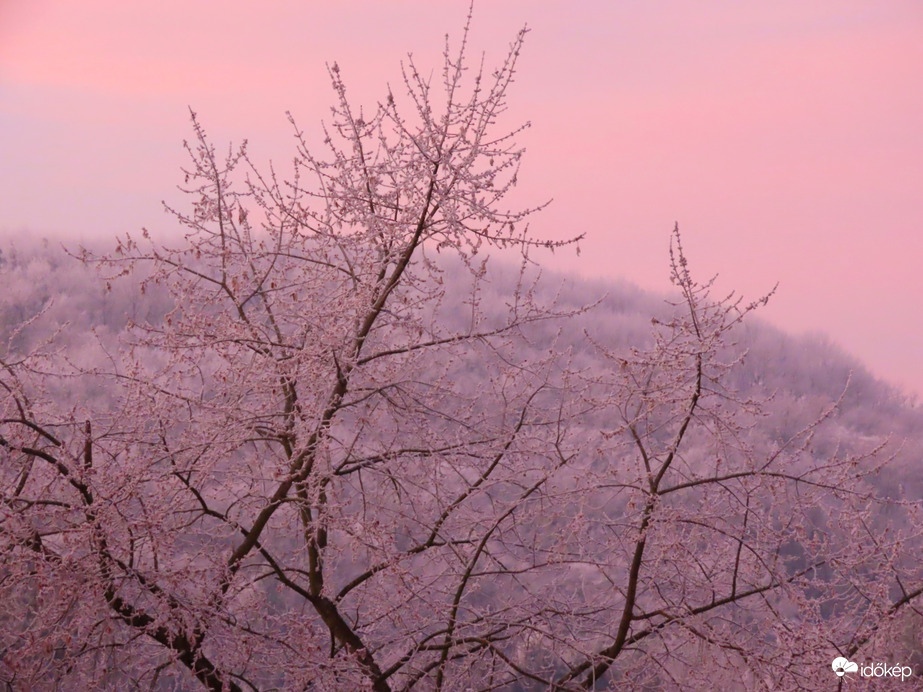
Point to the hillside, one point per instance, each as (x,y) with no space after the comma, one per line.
(773,397)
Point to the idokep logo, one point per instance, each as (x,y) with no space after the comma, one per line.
(842,666)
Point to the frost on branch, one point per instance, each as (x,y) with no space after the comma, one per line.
(335,465)
(289,488)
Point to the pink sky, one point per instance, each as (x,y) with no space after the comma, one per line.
(785,137)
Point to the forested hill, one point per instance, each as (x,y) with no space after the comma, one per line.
(552,477)
(796,377)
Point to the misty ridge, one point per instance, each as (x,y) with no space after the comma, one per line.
(54,302)
(50,294)
(323,444)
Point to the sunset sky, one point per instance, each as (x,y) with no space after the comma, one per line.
(785,137)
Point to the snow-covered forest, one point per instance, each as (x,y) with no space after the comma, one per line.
(324,443)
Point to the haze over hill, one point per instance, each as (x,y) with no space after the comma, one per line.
(796,376)
(769,403)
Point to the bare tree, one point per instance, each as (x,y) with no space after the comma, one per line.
(732,559)
(313,474)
